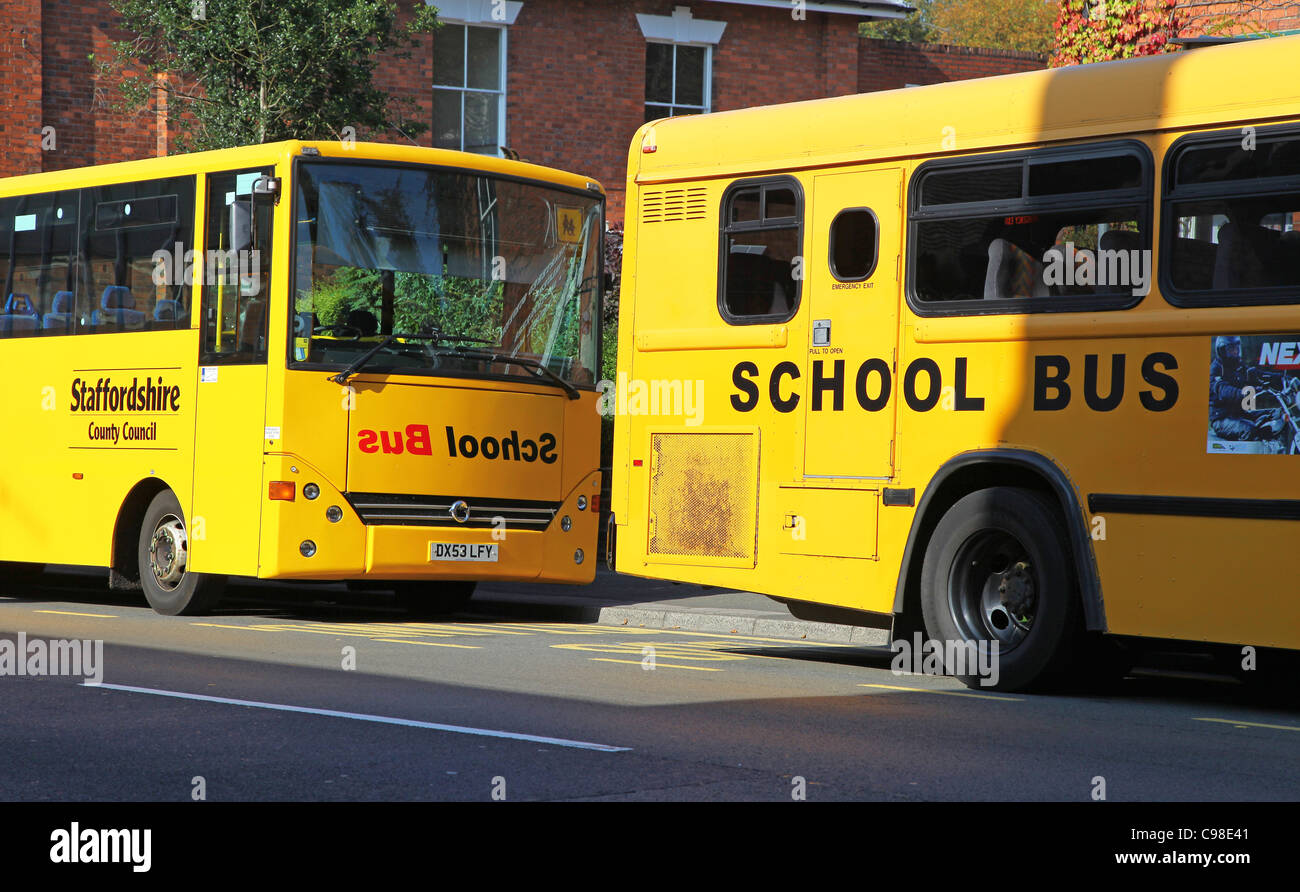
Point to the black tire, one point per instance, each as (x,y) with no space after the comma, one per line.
(998,569)
(169,587)
(433,598)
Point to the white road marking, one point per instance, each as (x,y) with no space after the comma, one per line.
(359,716)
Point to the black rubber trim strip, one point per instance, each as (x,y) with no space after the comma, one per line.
(1192,506)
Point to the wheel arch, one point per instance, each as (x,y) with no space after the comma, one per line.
(124,562)
(971,471)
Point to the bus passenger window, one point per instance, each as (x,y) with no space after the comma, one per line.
(1040,231)
(1235,238)
(761,246)
(854,245)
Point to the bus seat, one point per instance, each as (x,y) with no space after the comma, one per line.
(1244,256)
(250,324)
(117,308)
(1193,264)
(20,316)
(1120,240)
(165,311)
(1012,273)
(59,318)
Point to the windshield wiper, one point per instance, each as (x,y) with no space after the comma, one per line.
(358,363)
(523,362)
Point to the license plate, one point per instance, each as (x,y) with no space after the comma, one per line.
(462,551)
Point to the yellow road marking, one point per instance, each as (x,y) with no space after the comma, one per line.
(1241,724)
(70,613)
(427,643)
(894,687)
(657,664)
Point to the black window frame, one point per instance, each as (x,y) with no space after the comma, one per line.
(255,357)
(875,246)
(1171,194)
(762,224)
(1142,195)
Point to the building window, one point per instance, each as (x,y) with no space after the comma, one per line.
(677,79)
(469,88)
(678,63)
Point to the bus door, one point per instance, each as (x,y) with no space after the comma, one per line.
(853,273)
(230,431)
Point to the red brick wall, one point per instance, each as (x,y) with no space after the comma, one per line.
(20,85)
(888,65)
(1226,17)
(408,81)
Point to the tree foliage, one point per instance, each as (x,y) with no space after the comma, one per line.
(1020,25)
(1103,30)
(236,72)
(916,28)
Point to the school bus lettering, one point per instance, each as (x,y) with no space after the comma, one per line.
(509,448)
(1052,390)
(747,397)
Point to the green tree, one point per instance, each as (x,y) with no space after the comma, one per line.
(1018,25)
(915,28)
(237,72)
(1022,25)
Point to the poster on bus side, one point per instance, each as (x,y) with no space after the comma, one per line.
(1254,394)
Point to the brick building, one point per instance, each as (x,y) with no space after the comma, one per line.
(561,82)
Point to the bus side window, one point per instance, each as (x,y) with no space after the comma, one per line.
(237,269)
(133,241)
(762,239)
(39,233)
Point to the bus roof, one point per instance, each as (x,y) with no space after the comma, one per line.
(269,153)
(1249,81)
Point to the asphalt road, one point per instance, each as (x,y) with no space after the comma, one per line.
(290,695)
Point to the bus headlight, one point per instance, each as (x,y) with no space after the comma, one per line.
(307,548)
(333,513)
(578,556)
(310,491)
(566,523)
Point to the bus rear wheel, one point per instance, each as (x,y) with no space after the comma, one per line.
(997,574)
(425,598)
(170,587)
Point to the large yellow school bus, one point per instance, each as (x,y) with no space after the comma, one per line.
(1015,358)
(302,361)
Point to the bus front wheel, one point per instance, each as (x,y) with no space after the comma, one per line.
(433,598)
(997,590)
(170,587)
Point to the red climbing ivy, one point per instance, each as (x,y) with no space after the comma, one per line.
(1102,30)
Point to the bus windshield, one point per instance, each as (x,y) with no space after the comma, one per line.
(475,269)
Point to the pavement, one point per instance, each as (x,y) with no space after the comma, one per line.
(616,599)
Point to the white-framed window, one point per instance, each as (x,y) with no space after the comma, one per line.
(678,80)
(469,74)
(469,88)
(678,63)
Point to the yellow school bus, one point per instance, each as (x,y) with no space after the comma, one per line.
(1013,359)
(302,361)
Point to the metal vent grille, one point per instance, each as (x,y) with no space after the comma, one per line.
(673,205)
(384,509)
(703,495)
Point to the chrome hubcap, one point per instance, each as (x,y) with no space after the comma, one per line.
(168,552)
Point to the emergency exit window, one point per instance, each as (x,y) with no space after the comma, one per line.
(855,245)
